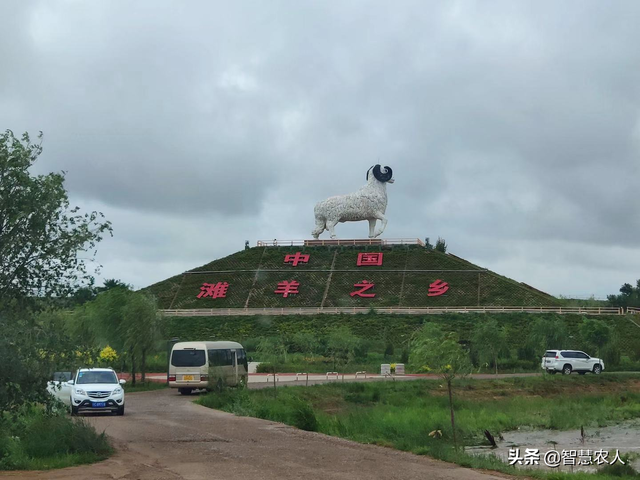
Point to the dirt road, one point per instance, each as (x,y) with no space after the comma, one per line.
(163,435)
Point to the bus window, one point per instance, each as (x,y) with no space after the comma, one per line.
(220,358)
(188,358)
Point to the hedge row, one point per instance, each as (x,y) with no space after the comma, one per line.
(390,328)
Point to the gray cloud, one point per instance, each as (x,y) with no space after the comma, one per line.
(513,128)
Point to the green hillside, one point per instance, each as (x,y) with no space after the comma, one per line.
(330,274)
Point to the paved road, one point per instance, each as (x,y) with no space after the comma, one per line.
(163,435)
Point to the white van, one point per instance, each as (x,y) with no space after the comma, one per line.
(193,364)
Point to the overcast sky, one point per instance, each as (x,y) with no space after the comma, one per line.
(512,127)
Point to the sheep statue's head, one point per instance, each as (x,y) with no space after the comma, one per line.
(369,203)
(382,174)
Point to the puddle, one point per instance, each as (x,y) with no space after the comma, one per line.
(624,437)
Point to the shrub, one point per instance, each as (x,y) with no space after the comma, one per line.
(33,440)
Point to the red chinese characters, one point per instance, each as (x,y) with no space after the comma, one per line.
(369,259)
(296,259)
(214,290)
(287,288)
(364,286)
(437,288)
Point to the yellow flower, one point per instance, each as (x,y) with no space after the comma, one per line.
(108,354)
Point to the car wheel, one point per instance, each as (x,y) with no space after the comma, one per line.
(120,411)
(597,369)
(74,411)
(551,372)
(566,370)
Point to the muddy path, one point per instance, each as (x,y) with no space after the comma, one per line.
(163,435)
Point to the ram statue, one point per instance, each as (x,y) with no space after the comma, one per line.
(369,203)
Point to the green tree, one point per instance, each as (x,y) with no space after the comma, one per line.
(489,340)
(305,342)
(273,350)
(140,328)
(442,353)
(595,333)
(441,245)
(547,333)
(44,243)
(342,345)
(45,248)
(110,283)
(31,347)
(629,296)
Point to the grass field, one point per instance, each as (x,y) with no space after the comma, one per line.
(403,414)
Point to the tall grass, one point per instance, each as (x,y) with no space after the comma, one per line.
(403,414)
(34,440)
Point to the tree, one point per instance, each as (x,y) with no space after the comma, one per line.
(140,328)
(31,347)
(442,353)
(595,333)
(44,243)
(629,296)
(489,340)
(341,345)
(304,342)
(274,351)
(441,245)
(110,283)
(546,334)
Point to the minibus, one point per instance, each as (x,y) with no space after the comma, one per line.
(198,365)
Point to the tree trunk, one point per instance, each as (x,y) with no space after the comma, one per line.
(143,364)
(133,368)
(453,420)
(495,362)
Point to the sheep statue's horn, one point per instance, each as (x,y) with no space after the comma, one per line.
(368,172)
(380,176)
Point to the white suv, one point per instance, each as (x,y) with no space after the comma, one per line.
(567,361)
(95,390)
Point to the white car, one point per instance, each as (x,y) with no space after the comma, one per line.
(90,390)
(568,361)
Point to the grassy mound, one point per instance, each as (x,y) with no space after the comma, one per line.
(330,274)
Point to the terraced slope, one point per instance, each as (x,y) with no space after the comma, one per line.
(329,276)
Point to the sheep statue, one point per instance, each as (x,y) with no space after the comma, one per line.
(368,203)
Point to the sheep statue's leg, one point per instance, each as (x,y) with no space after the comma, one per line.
(320,222)
(331,227)
(372,227)
(380,216)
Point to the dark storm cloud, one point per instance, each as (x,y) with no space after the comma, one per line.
(510,126)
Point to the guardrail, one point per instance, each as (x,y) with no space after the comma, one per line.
(354,241)
(230,312)
(633,310)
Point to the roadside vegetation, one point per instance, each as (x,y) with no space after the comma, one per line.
(415,416)
(46,249)
(34,439)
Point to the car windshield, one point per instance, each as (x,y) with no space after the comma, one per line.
(96,377)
